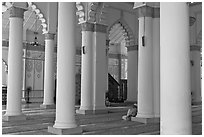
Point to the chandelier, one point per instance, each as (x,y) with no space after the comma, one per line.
(35,42)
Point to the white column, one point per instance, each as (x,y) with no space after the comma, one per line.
(87,68)
(195,74)
(145,69)
(65,100)
(48,100)
(175,69)
(132,73)
(156,64)
(14,91)
(100,70)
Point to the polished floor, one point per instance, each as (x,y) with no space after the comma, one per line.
(101,124)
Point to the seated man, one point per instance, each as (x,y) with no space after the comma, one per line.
(132,112)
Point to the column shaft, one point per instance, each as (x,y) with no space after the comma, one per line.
(65,99)
(195,75)
(156,65)
(87,71)
(132,74)
(175,69)
(100,73)
(49,71)
(145,69)
(14,92)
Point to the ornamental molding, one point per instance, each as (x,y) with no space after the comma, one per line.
(7,5)
(80,12)
(132,48)
(92,12)
(16,12)
(147,11)
(100,28)
(49,36)
(40,16)
(86,26)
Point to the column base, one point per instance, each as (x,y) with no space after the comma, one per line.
(13,118)
(87,112)
(65,131)
(146,120)
(44,106)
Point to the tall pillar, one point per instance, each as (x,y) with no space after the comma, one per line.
(175,69)
(14,92)
(100,70)
(156,61)
(65,100)
(145,68)
(48,101)
(87,69)
(195,74)
(148,64)
(132,73)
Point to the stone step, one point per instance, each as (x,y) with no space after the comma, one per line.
(151,133)
(28,122)
(35,132)
(23,128)
(107,125)
(126,130)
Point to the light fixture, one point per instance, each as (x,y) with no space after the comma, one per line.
(35,42)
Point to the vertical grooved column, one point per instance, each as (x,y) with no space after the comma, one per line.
(48,101)
(65,100)
(14,92)
(175,69)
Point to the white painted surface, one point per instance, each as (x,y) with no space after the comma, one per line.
(49,73)
(65,100)
(87,71)
(14,93)
(145,70)
(156,65)
(100,72)
(175,69)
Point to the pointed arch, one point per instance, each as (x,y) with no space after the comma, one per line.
(125,30)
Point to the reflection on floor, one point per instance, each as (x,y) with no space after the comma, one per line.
(101,124)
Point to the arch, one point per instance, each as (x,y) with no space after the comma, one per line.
(125,30)
(39,15)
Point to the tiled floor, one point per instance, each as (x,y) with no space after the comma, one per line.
(101,124)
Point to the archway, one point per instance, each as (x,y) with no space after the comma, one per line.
(120,36)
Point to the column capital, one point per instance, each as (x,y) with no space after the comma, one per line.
(50,36)
(132,47)
(100,28)
(87,26)
(16,12)
(195,48)
(146,11)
